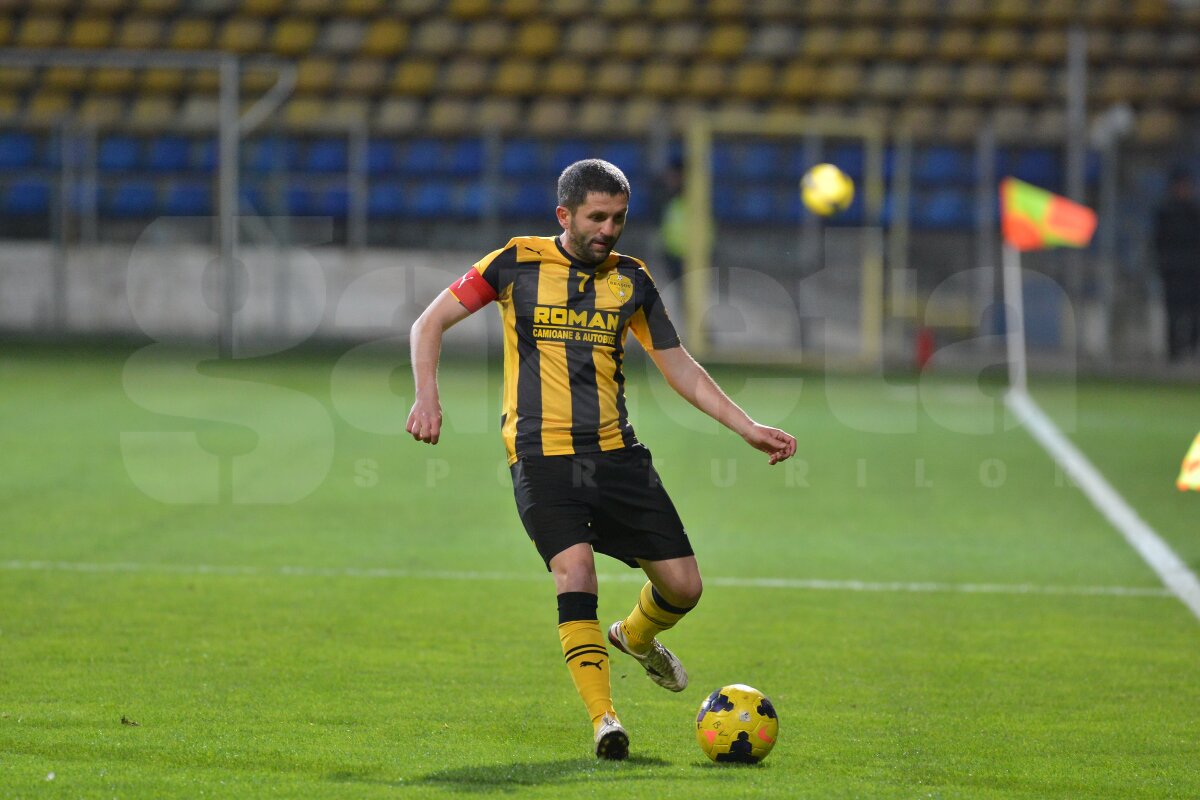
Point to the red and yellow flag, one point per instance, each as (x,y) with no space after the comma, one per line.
(1035,219)
(1189,474)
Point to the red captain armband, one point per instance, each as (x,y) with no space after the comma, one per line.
(473,291)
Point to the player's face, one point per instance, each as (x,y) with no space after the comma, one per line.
(593,230)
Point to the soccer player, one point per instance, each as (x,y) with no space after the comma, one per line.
(583,483)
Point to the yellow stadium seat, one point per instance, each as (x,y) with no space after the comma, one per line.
(39,30)
(587,37)
(364,76)
(470,9)
(550,115)
(1049,45)
(566,77)
(919,121)
(599,115)
(139,33)
(909,43)
(342,36)
(918,10)
(241,35)
(888,81)
(616,77)
(316,75)
(385,37)
(158,80)
(450,115)
(261,8)
(661,78)
(10,106)
(397,114)
(668,10)
(772,41)
(110,80)
(1157,125)
(680,39)
(619,9)
(840,81)
(1011,12)
(6,29)
(294,36)
(305,112)
(68,79)
(414,9)
(956,44)
(727,41)
(199,111)
(968,12)
(105,8)
(862,42)
(568,9)
(90,33)
(519,9)
(347,111)
(360,8)
(821,43)
(101,110)
(640,114)
(1141,45)
(159,7)
(1049,124)
(314,8)
(465,76)
(415,77)
(515,76)
(256,80)
(498,114)
(798,81)
(537,38)
(1165,84)
(980,81)
(488,38)
(47,107)
(962,123)
(815,11)
(736,111)
(1027,83)
(16,77)
(1102,12)
(1054,12)
(1120,83)
(191,34)
(731,9)
(682,113)
(932,81)
(1002,44)
(205,81)
(153,112)
(436,36)
(634,40)
(1183,46)
(753,79)
(706,79)
(1100,45)
(871,11)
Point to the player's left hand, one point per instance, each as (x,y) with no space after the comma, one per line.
(779,445)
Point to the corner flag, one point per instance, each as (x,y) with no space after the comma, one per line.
(1034,219)
(1189,475)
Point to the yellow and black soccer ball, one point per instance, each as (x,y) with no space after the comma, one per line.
(826,190)
(737,724)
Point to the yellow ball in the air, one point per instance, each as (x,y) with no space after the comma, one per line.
(826,190)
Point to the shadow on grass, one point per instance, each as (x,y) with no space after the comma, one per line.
(514,777)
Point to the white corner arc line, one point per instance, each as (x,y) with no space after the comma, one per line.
(1142,538)
(127,567)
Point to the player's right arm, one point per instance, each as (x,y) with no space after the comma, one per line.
(425,419)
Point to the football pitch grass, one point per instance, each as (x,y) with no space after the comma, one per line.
(935,611)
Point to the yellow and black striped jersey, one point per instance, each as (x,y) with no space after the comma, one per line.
(565,324)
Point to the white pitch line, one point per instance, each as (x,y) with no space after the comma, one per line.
(1149,545)
(623,577)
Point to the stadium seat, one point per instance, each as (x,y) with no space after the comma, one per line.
(727,41)
(382,158)
(587,38)
(261,8)
(465,158)
(69,79)
(341,36)
(821,43)
(421,157)
(661,78)
(272,154)
(888,81)
(159,80)
(918,10)
(90,33)
(1030,83)
(469,9)
(772,41)
(498,114)
(437,36)
(363,76)
(760,161)
(315,75)
(597,114)
(550,115)
(521,158)
(909,43)
(190,199)
(191,34)
(16,77)
(1040,167)
(938,166)
(331,201)
(797,81)
(980,82)
(635,40)
(568,151)
(1049,45)
(415,77)
(360,8)
(955,44)
(397,114)
(488,38)
(40,30)
(293,36)
(864,43)
(386,37)
(616,78)
(626,155)
(753,80)
(326,155)
(530,200)
(168,154)
(152,112)
(943,209)
(315,8)
(111,79)
(516,77)
(841,81)
(537,39)
(29,197)
(706,79)
(298,200)
(1157,125)
(450,115)
(565,77)
(139,33)
(465,76)
(130,199)
(431,200)
(17,150)
(1002,45)
(386,201)
(118,154)
(241,35)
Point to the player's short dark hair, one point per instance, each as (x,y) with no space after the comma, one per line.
(589,175)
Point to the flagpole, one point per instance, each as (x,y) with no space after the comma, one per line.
(1014,317)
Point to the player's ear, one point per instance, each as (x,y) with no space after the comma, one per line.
(564,217)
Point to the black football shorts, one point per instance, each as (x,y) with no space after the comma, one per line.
(613,501)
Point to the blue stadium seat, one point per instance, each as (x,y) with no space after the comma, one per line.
(190,199)
(472,200)
(332,202)
(568,151)
(521,158)
(724,200)
(754,206)
(134,198)
(724,160)
(118,154)
(269,155)
(422,157)
(431,199)
(941,166)
(1039,167)
(626,155)
(386,200)
(204,156)
(252,200)
(17,150)
(326,155)
(27,198)
(944,209)
(760,161)
(849,158)
(466,158)
(168,154)
(533,199)
(381,158)
(298,201)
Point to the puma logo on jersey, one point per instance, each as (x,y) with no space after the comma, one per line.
(595,664)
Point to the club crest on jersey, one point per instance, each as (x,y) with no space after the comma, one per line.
(621,286)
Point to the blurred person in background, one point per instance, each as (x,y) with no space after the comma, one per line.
(1177,247)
